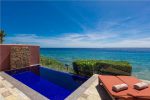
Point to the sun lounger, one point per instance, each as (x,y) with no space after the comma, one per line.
(131,81)
(129,94)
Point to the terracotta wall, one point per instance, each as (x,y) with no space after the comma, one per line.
(5,55)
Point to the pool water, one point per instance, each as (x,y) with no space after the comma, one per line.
(52,84)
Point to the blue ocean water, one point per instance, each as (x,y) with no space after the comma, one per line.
(138,57)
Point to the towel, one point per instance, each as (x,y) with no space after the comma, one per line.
(120,87)
(141,85)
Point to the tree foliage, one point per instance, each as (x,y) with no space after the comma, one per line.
(2,35)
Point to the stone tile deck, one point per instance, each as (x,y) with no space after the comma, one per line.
(11,89)
(91,90)
(9,92)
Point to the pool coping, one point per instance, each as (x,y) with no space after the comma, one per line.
(32,94)
(78,92)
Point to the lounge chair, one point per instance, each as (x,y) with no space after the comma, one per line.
(142,94)
(130,94)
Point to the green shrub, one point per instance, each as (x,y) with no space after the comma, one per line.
(54,64)
(88,67)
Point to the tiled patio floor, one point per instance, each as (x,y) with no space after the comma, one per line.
(9,92)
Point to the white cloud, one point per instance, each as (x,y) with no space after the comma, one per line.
(79,40)
(143,42)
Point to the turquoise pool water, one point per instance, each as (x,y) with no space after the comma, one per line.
(138,57)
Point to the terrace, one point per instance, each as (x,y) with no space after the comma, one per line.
(13,89)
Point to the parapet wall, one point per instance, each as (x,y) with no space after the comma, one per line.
(5,54)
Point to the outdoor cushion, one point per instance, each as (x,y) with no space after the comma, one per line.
(130,93)
(130,80)
(119,87)
(141,85)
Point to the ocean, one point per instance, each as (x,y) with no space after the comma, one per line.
(139,58)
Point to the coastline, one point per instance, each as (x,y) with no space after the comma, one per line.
(139,58)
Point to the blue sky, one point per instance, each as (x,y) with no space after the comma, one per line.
(92,24)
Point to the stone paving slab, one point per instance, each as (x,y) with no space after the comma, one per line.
(8,91)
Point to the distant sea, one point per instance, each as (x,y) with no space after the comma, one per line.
(138,57)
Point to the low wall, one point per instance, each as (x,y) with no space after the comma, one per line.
(5,55)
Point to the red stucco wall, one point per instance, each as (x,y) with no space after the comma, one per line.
(5,55)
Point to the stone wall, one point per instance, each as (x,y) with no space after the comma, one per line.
(10,56)
(19,57)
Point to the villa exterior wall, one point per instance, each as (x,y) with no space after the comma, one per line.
(5,55)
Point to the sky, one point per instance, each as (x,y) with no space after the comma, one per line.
(76,24)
